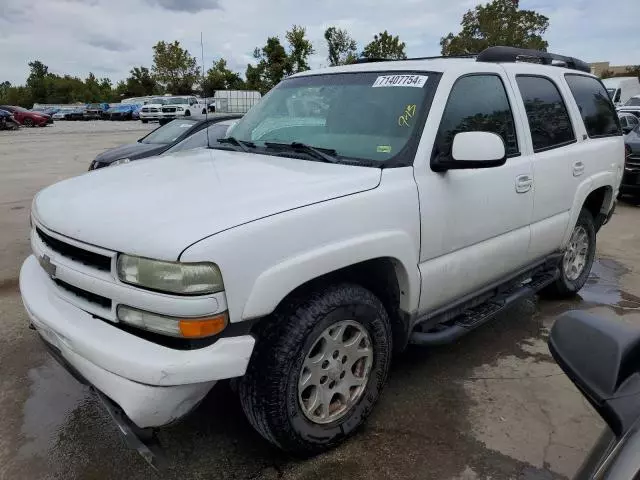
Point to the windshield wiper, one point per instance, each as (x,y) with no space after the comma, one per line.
(238,143)
(326,154)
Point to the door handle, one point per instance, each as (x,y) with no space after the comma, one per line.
(578,169)
(523,183)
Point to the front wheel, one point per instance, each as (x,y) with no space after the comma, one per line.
(28,122)
(187,113)
(577,260)
(144,121)
(318,368)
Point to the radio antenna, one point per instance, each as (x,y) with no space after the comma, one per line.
(204,94)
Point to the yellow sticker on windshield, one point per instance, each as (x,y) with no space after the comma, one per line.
(384,148)
(407,115)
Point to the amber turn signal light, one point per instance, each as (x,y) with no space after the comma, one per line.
(203,327)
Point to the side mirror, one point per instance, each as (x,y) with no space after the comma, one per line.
(474,150)
(602,358)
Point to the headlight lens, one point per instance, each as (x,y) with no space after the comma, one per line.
(171,277)
(180,109)
(120,162)
(173,326)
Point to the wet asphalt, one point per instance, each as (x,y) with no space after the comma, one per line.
(493,405)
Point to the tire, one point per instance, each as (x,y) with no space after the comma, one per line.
(269,392)
(144,121)
(187,113)
(204,111)
(28,122)
(566,285)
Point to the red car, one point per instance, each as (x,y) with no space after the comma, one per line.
(26,117)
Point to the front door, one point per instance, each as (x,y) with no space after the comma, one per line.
(475,223)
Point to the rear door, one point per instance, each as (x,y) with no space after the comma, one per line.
(551,139)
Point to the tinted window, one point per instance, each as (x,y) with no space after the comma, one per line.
(633,102)
(201,138)
(476,103)
(169,133)
(595,106)
(549,120)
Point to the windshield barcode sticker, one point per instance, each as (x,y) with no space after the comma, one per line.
(400,81)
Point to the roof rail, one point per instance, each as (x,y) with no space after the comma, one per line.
(511,54)
(376,59)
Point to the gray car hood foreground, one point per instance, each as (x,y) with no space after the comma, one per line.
(156,208)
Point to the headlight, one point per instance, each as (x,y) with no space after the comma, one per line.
(173,326)
(180,109)
(170,277)
(120,162)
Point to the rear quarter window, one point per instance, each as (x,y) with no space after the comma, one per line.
(597,111)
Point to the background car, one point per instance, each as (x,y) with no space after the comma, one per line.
(27,117)
(7,122)
(122,111)
(164,138)
(95,111)
(628,121)
(630,184)
(631,106)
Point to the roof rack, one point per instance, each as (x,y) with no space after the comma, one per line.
(511,54)
(377,59)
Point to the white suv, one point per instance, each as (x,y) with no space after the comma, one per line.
(354,210)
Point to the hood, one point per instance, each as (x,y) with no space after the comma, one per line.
(156,208)
(153,105)
(132,151)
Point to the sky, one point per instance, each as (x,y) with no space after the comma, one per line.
(109,37)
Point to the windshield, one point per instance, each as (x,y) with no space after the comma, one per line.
(168,133)
(633,102)
(176,101)
(368,116)
(157,101)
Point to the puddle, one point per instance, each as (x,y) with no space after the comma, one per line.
(603,287)
(54,394)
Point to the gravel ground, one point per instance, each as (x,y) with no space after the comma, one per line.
(493,405)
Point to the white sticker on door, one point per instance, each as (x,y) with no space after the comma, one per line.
(401,81)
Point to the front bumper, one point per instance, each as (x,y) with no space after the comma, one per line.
(154,385)
(150,116)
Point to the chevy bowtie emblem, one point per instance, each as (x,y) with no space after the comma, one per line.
(48,267)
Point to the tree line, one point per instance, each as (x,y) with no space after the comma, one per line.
(174,70)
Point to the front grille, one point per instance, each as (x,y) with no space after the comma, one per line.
(153,110)
(168,109)
(86,257)
(145,110)
(88,296)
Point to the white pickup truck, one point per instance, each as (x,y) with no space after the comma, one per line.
(182,106)
(352,211)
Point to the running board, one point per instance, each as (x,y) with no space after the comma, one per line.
(473,318)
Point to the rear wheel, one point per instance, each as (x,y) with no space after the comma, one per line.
(204,111)
(577,260)
(318,368)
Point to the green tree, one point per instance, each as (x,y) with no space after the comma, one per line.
(634,70)
(607,74)
(499,22)
(174,67)
(140,83)
(385,45)
(300,49)
(38,81)
(273,65)
(220,77)
(342,48)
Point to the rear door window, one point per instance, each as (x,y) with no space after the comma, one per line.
(548,117)
(596,109)
(476,103)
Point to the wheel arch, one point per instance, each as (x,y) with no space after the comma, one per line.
(386,277)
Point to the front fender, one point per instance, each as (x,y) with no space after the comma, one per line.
(275,283)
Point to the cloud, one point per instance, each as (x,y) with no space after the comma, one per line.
(62,33)
(106,43)
(191,6)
